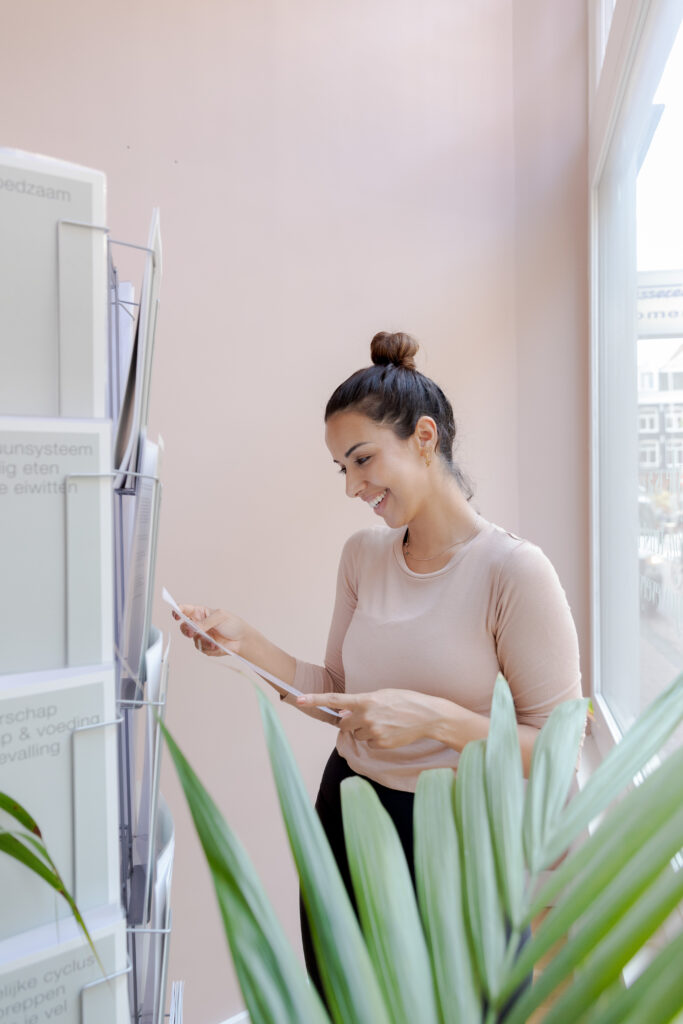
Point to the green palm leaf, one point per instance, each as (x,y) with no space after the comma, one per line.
(386,906)
(439,889)
(643,740)
(553,764)
(16,845)
(482,897)
(351,987)
(644,816)
(12,807)
(505,797)
(622,917)
(655,996)
(621,943)
(629,824)
(273,983)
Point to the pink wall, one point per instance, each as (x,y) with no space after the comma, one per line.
(324,171)
(550,53)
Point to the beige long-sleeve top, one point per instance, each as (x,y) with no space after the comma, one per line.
(497,606)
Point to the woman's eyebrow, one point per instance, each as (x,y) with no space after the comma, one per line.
(353,448)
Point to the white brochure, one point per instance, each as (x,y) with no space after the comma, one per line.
(122,315)
(59,761)
(176,1008)
(154,946)
(140,566)
(156,684)
(56,598)
(132,422)
(52,974)
(53,287)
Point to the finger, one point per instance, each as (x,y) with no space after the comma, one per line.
(187,630)
(360,733)
(348,722)
(214,620)
(196,612)
(189,611)
(336,701)
(206,646)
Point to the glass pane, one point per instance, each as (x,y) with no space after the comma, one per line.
(639,364)
(659,233)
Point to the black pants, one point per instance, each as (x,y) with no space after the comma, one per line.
(399,806)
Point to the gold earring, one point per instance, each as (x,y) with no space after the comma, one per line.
(426,453)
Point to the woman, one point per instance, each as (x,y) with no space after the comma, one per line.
(427,612)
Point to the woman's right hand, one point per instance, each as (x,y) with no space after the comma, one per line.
(227,629)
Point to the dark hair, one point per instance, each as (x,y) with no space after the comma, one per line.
(393,392)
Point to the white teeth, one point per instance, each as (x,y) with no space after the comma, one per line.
(375,501)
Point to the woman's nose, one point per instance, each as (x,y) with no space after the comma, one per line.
(353,484)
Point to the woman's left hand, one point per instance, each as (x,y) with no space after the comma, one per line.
(382,719)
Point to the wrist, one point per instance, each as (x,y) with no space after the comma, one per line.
(263,653)
(253,645)
(443,728)
(456,725)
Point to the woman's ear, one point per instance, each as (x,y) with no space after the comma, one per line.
(425,433)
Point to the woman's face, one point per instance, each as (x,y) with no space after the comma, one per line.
(380,468)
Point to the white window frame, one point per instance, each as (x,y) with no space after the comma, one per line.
(601,13)
(635,34)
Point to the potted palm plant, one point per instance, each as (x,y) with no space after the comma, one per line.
(446,950)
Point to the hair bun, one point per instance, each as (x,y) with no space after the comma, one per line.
(394,350)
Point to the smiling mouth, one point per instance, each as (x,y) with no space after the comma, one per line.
(377,501)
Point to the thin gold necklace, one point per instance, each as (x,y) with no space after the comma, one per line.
(406,541)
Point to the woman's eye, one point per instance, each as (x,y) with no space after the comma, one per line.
(360,461)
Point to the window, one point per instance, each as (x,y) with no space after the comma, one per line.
(648,422)
(674,454)
(673,420)
(671,381)
(649,453)
(637,236)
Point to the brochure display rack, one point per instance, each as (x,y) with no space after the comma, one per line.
(83,673)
